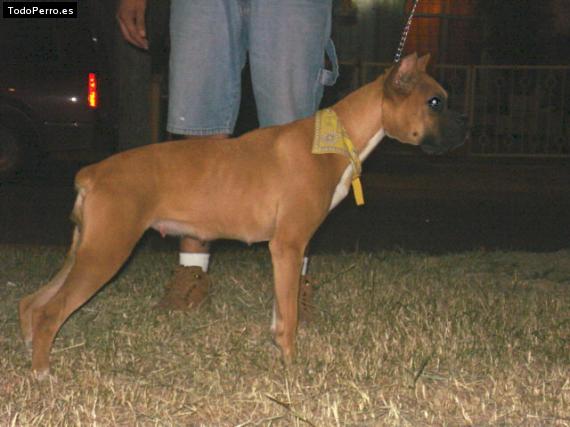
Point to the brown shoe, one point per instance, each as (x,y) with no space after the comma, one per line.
(306,290)
(187,289)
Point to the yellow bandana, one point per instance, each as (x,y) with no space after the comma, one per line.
(330,137)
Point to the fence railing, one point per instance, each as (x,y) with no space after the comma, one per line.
(514,111)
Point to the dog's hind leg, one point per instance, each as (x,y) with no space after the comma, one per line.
(45,293)
(108,234)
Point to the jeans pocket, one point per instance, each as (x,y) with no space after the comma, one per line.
(329,77)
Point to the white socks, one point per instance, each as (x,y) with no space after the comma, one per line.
(201,260)
(305,266)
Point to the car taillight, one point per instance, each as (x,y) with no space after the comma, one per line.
(92,95)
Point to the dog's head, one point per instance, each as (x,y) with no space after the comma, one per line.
(415,108)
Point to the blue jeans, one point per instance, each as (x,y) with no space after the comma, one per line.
(286,42)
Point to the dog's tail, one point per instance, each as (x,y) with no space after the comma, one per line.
(84,181)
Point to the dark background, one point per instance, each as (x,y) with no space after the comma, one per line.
(414,202)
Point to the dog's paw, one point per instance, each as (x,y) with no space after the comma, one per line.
(28,346)
(42,375)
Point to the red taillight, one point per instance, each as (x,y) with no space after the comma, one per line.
(92,95)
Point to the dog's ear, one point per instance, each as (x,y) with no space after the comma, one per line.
(403,77)
(423,62)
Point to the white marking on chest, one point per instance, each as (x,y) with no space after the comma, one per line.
(343,185)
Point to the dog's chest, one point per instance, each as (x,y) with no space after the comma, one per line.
(343,185)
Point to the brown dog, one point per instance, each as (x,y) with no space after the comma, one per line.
(268,185)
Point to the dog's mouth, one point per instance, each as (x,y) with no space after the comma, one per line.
(430,145)
(453,136)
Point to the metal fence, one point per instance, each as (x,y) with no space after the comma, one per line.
(514,111)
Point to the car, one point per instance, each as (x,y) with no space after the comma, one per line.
(55,91)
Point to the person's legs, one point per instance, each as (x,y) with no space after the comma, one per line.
(194,253)
(207,56)
(287,45)
(189,285)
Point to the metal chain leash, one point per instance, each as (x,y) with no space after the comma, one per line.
(405,32)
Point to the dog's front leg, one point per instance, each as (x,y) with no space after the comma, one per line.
(287,257)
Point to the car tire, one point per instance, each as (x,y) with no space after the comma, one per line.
(12,153)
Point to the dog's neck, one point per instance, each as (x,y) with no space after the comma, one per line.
(361,116)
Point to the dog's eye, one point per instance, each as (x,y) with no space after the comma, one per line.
(436,104)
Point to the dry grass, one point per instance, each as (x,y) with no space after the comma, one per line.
(399,339)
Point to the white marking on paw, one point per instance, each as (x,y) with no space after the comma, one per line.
(274,319)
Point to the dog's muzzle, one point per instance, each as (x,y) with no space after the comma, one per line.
(453,134)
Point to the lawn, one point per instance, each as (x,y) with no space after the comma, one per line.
(403,339)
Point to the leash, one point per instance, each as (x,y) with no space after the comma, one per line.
(405,32)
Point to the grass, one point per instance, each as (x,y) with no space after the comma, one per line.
(403,339)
